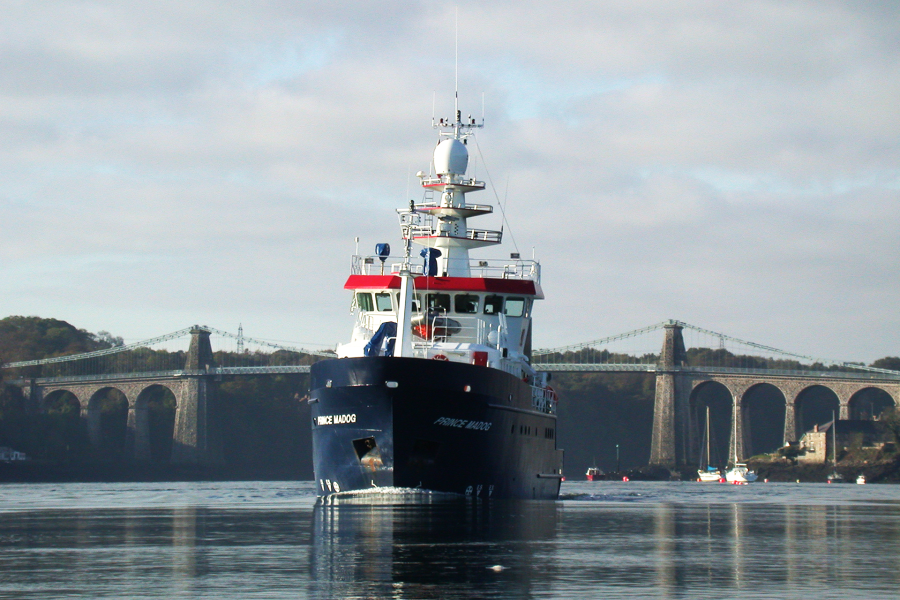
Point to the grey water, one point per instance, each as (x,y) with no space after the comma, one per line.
(600,540)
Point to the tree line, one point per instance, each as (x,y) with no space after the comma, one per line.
(263,419)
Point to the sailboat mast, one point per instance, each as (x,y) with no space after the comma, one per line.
(833,441)
(707,437)
(734,428)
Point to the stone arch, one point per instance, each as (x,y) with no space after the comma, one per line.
(107,421)
(763,413)
(815,405)
(869,403)
(62,432)
(719,399)
(62,401)
(154,422)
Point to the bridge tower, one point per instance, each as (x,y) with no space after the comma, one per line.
(197,439)
(671,413)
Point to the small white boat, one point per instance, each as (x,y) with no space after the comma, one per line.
(740,473)
(861,479)
(713,476)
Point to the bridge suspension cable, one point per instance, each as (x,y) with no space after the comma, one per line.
(824,361)
(243,339)
(595,344)
(107,351)
(600,342)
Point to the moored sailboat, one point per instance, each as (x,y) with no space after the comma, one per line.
(708,473)
(739,473)
(834,476)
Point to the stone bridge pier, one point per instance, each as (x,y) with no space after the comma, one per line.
(196,438)
(671,415)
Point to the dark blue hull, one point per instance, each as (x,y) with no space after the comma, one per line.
(433,425)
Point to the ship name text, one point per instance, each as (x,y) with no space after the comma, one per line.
(463,423)
(335,419)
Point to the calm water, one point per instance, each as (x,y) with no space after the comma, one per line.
(601,540)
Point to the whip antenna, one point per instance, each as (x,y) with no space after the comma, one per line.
(456,68)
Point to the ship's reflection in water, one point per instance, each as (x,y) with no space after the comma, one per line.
(430,547)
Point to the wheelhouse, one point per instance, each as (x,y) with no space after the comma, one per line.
(458,318)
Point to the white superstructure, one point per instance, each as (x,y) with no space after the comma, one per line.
(439,303)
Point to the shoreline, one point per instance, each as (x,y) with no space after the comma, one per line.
(45,472)
(90,472)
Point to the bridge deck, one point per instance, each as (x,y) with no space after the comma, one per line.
(554,368)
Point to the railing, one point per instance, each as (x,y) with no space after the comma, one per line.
(482,208)
(114,376)
(260,370)
(543,399)
(425,224)
(371,321)
(794,373)
(441,328)
(484,235)
(452,180)
(480,235)
(592,368)
(217,371)
(373,265)
(489,269)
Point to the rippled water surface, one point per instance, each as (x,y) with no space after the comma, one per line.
(601,540)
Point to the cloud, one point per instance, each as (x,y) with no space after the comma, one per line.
(735,167)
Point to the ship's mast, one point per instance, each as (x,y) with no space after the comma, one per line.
(440,221)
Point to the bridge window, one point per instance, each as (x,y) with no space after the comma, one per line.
(364,300)
(383,301)
(493,305)
(416,301)
(515,307)
(439,302)
(465,303)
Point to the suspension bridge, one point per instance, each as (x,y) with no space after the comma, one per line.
(683,359)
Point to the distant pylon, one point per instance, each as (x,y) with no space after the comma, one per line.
(240,339)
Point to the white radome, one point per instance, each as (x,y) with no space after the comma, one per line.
(451,157)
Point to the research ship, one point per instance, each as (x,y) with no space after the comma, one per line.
(435,391)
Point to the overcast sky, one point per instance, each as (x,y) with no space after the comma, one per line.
(733,165)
